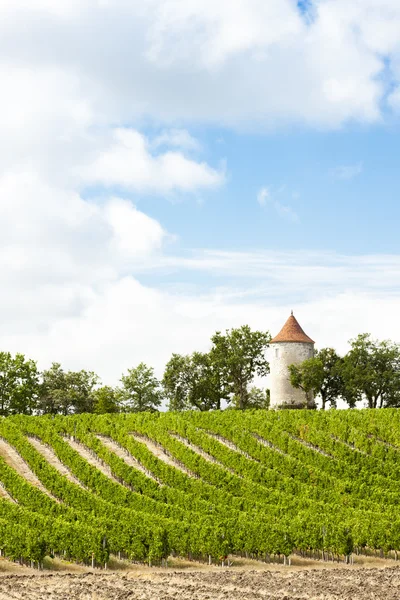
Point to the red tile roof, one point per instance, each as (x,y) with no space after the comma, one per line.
(292,332)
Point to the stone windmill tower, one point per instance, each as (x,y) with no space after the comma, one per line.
(290,346)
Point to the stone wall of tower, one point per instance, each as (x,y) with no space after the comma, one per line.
(283,354)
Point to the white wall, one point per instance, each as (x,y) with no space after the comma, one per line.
(283,354)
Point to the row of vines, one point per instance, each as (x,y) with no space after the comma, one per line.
(256,483)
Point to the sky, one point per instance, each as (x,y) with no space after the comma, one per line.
(169,168)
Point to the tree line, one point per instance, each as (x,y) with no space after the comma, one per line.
(369,373)
(200,381)
(203,381)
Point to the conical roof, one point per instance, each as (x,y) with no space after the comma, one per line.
(292,332)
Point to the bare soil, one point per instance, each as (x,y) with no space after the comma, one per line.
(93,459)
(125,455)
(52,458)
(162,454)
(339,583)
(14,460)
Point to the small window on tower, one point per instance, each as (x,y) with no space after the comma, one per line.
(276,352)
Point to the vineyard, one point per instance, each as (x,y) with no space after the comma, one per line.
(202,486)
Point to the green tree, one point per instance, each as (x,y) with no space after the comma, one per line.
(371,372)
(320,375)
(80,386)
(52,395)
(176,382)
(239,355)
(193,382)
(105,400)
(19,384)
(258,398)
(68,392)
(141,390)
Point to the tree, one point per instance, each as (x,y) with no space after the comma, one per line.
(239,355)
(19,384)
(105,400)
(320,375)
(141,390)
(52,396)
(371,372)
(176,382)
(193,382)
(68,392)
(258,398)
(80,386)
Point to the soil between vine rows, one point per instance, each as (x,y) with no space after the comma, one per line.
(312,584)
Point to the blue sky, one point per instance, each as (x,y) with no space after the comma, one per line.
(172,168)
(342,189)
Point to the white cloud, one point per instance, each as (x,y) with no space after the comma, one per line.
(121,322)
(58,250)
(47,124)
(251,63)
(44,119)
(298,273)
(129,163)
(347,172)
(264,198)
(77,93)
(134,233)
(394,99)
(210,33)
(286,212)
(11,9)
(179,138)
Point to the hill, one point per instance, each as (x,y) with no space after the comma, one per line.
(201,485)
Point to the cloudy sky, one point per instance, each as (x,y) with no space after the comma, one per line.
(173,167)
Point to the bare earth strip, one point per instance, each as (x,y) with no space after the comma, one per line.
(311,446)
(161,453)
(125,455)
(16,462)
(387,444)
(5,494)
(94,460)
(208,457)
(230,445)
(52,458)
(339,441)
(335,584)
(268,444)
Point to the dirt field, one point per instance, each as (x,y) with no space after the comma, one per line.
(322,584)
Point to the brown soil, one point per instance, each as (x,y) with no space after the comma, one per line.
(93,460)
(197,450)
(14,460)
(350,583)
(125,455)
(229,445)
(52,458)
(161,453)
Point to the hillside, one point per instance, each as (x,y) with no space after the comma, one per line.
(200,485)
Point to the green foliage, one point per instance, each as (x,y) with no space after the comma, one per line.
(141,390)
(176,382)
(105,400)
(68,392)
(371,372)
(239,355)
(247,481)
(257,399)
(193,382)
(202,381)
(314,481)
(19,384)
(319,376)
